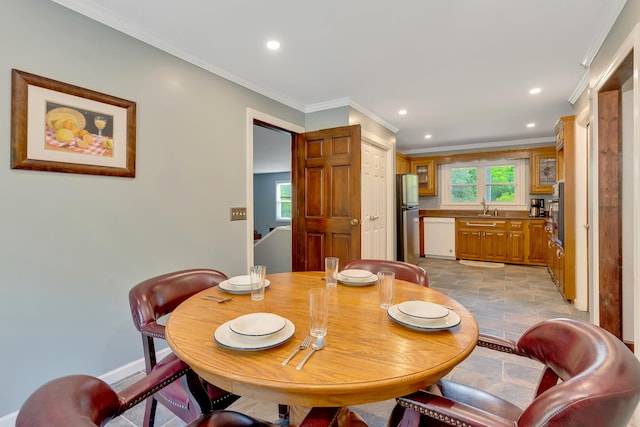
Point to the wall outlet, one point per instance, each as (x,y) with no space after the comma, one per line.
(238,214)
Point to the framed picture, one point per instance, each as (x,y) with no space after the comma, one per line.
(59,127)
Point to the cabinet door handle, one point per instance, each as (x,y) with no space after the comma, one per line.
(471,224)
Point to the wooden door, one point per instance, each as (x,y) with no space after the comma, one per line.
(327,203)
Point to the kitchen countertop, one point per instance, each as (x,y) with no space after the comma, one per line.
(447,213)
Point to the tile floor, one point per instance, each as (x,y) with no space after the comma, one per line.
(505,302)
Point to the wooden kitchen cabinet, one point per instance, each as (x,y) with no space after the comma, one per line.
(483,240)
(516,241)
(494,245)
(537,242)
(542,171)
(566,165)
(426,171)
(403,164)
(555,259)
(468,244)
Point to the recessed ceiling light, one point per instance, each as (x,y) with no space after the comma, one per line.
(402,112)
(535,91)
(427,136)
(531,125)
(273,45)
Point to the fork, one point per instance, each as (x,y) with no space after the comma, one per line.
(217,298)
(305,344)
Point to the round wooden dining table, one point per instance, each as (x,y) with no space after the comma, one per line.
(368,356)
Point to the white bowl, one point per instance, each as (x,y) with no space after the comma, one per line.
(356,274)
(244,280)
(257,325)
(423,310)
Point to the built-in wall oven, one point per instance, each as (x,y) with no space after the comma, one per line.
(556,210)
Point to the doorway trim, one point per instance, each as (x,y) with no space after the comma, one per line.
(630,44)
(277,122)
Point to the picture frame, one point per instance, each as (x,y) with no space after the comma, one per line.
(59,127)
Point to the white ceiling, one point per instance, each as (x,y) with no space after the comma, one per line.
(462,68)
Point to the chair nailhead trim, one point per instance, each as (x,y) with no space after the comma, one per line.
(158,387)
(497,347)
(222,398)
(433,414)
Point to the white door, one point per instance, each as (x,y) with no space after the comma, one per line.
(374,202)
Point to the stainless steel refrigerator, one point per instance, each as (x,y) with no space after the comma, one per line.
(407,217)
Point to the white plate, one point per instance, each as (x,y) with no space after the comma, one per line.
(257,325)
(358,281)
(240,280)
(234,289)
(225,337)
(356,274)
(423,309)
(449,321)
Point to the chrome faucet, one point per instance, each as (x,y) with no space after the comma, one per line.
(485,208)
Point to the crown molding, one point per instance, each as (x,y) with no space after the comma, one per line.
(580,88)
(481,146)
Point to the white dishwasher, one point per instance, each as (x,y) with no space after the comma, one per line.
(439,237)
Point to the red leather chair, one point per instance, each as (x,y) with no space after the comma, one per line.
(590,379)
(83,401)
(403,271)
(149,301)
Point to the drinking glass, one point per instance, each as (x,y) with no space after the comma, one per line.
(331,271)
(257,275)
(386,281)
(318,311)
(100,122)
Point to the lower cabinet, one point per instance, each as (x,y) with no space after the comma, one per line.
(516,242)
(484,240)
(537,242)
(554,258)
(501,240)
(468,245)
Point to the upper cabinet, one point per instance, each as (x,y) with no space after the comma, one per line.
(564,130)
(542,169)
(403,163)
(425,169)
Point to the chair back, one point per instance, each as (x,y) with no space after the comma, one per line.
(591,377)
(86,401)
(160,295)
(73,401)
(149,301)
(403,271)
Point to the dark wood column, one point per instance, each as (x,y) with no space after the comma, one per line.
(610,210)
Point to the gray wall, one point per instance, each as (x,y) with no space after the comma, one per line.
(628,18)
(73,245)
(264,201)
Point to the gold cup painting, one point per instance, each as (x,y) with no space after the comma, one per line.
(85,132)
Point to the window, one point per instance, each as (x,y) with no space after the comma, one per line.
(499,183)
(283,201)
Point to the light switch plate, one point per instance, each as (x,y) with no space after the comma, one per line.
(238,214)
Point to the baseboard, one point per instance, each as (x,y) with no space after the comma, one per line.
(111,377)
(130,368)
(9,420)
